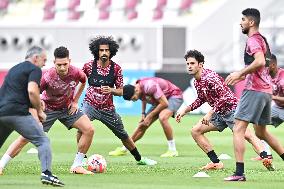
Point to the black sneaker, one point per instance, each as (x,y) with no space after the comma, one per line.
(51,179)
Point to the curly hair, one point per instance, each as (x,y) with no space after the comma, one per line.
(61,52)
(103,40)
(194,54)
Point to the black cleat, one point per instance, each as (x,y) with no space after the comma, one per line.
(51,180)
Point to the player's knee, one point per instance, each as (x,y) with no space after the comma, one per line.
(195,131)
(163,118)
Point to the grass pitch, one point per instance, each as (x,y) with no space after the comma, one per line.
(122,172)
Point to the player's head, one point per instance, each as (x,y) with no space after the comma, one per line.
(61,60)
(37,56)
(194,61)
(103,48)
(251,18)
(131,92)
(273,65)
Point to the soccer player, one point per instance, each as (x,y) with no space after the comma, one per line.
(165,99)
(58,87)
(105,80)
(277,109)
(255,102)
(211,88)
(19,92)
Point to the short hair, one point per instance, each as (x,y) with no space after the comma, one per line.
(61,52)
(253,13)
(34,50)
(128,92)
(95,43)
(194,54)
(273,58)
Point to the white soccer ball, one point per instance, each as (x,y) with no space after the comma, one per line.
(96,163)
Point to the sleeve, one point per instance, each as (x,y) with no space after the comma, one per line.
(119,77)
(43,83)
(198,101)
(86,68)
(156,90)
(81,76)
(254,46)
(35,75)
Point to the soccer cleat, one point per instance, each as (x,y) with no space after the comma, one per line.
(51,180)
(258,158)
(146,161)
(268,164)
(1,171)
(213,166)
(118,152)
(80,170)
(170,153)
(235,177)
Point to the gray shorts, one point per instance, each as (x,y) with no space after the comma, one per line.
(110,118)
(221,122)
(254,107)
(61,115)
(174,104)
(277,115)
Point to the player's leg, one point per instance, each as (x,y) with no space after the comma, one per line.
(28,127)
(86,132)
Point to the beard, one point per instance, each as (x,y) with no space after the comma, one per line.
(245,31)
(104,58)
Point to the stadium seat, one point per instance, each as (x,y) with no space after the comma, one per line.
(103,14)
(104,4)
(130,4)
(49,4)
(73,4)
(185,5)
(48,14)
(161,4)
(131,14)
(158,14)
(74,15)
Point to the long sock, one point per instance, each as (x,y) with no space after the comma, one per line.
(282,156)
(266,147)
(78,160)
(240,168)
(213,157)
(172,145)
(5,160)
(136,154)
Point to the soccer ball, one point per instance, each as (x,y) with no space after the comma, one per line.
(96,163)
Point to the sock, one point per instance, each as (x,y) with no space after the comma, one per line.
(5,160)
(78,160)
(240,167)
(263,154)
(136,154)
(172,145)
(282,156)
(266,147)
(47,172)
(213,157)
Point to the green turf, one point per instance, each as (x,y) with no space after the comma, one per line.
(122,172)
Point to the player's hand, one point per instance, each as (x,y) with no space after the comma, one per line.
(73,108)
(233,78)
(179,115)
(41,116)
(42,104)
(106,89)
(205,120)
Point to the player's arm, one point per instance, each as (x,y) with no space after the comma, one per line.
(279,100)
(34,91)
(259,61)
(162,104)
